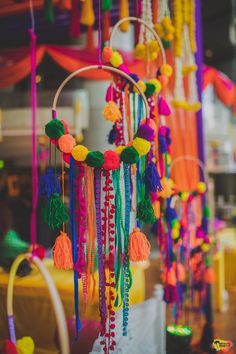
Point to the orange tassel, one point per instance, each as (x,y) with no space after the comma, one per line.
(139,246)
(62,252)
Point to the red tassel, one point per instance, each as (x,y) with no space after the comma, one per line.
(8,347)
(75,22)
(90,38)
(106,26)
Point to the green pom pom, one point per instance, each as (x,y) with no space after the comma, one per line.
(207,212)
(129,155)
(54,213)
(106,5)
(145,211)
(54,129)
(150,89)
(95,159)
(166,44)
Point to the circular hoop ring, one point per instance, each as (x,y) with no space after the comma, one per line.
(104,67)
(190,158)
(155,35)
(55,299)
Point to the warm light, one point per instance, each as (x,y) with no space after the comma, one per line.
(208,53)
(179,330)
(38,79)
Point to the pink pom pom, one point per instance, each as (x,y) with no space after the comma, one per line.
(39,251)
(66,143)
(124,68)
(111,160)
(163,107)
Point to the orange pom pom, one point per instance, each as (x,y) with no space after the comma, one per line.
(139,246)
(111,160)
(209,275)
(163,80)
(62,252)
(66,143)
(107,54)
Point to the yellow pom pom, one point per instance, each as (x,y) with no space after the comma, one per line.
(206,247)
(140,51)
(159,30)
(153,46)
(116,59)
(141,85)
(156,83)
(79,152)
(119,149)
(141,145)
(111,112)
(25,345)
(175,224)
(201,187)
(184,196)
(166,70)
(174,234)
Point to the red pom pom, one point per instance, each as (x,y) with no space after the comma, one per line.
(8,347)
(111,160)
(40,252)
(66,158)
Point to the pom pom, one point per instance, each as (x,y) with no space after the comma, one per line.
(156,83)
(66,143)
(174,234)
(184,196)
(25,345)
(39,252)
(107,54)
(146,132)
(79,153)
(62,252)
(116,59)
(167,191)
(111,160)
(134,77)
(112,135)
(145,211)
(171,214)
(110,94)
(54,213)
(163,107)
(141,85)
(139,247)
(54,129)
(150,89)
(141,145)
(129,155)
(111,112)
(119,149)
(124,68)
(152,179)
(201,187)
(95,159)
(8,347)
(166,70)
(150,122)
(162,144)
(206,247)
(49,184)
(140,51)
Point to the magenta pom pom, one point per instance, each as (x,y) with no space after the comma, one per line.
(124,68)
(163,107)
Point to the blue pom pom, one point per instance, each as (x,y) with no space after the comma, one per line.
(152,179)
(134,77)
(112,135)
(49,184)
(162,144)
(171,214)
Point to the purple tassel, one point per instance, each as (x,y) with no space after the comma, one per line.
(152,179)
(162,144)
(49,184)
(146,132)
(112,135)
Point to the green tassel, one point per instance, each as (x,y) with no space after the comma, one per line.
(106,5)
(145,212)
(54,213)
(206,212)
(48,11)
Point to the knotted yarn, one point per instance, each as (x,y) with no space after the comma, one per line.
(54,213)
(62,252)
(139,246)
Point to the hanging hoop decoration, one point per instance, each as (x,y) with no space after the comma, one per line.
(109,160)
(56,303)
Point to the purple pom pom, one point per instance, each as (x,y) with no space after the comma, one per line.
(171,214)
(146,132)
(134,77)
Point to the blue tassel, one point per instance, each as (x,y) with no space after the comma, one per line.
(49,184)
(152,179)
(162,144)
(112,135)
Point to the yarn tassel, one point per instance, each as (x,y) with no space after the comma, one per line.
(124,12)
(54,213)
(87,13)
(49,184)
(8,347)
(48,11)
(163,107)
(152,179)
(139,246)
(145,212)
(106,23)
(62,252)
(112,135)
(65,5)
(75,25)
(111,93)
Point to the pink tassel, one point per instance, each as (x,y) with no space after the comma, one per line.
(75,25)
(110,94)
(163,107)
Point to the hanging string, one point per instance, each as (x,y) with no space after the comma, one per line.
(33,224)
(74,246)
(99,35)
(63,185)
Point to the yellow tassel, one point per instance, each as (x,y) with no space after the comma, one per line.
(87,14)
(62,252)
(124,12)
